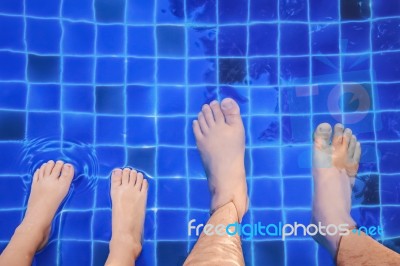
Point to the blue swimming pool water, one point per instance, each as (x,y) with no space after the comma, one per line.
(104,84)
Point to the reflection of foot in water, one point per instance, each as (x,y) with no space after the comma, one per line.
(50,185)
(129,198)
(335,166)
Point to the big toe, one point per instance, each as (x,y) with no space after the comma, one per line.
(322,135)
(231,111)
(338,134)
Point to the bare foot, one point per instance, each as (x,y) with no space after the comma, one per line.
(50,185)
(334,169)
(220,139)
(129,198)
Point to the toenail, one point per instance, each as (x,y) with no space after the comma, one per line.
(324,129)
(227,104)
(214,102)
(67,168)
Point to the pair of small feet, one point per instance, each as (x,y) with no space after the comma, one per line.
(51,184)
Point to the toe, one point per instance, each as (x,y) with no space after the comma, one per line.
(208,115)
(322,135)
(145,185)
(216,109)
(357,153)
(231,111)
(132,177)
(125,176)
(67,172)
(203,124)
(116,177)
(197,130)
(41,170)
(347,137)
(352,147)
(139,181)
(36,176)
(57,169)
(338,134)
(49,167)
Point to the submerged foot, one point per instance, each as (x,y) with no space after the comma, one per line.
(50,185)
(335,165)
(220,139)
(129,198)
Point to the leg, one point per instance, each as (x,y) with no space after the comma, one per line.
(334,169)
(50,185)
(220,138)
(129,197)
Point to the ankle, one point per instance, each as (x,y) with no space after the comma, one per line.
(125,244)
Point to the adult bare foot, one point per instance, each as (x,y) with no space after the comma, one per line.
(50,185)
(335,166)
(220,139)
(129,198)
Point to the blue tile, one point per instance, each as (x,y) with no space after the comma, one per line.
(37,128)
(387,96)
(78,38)
(76,225)
(172,253)
(147,256)
(109,130)
(263,71)
(170,161)
(198,96)
(202,11)
(78,70)
(325,69)
(295,100)
(140,11)
(381,66)
(10,151)
(368,162)
(385,35)
(110,70)
(78,9)
(43,68)
(296,129)
(12,6)
(234,70)
(12,125)
(101,222)
(100,253)
(385,9)
(294,33)
(85,94)
(202,71)
(260,197)
(80,250)
(104,185)
(143,159)
(389,157)
(355,37)
(300,158)
(141,70)
(43,36)
(109,11)
(293,10)
(201,41)
(141,40)
(325,39)
(362,125)
(264,130)
(172,193)
(171,12)
(48,255)
(12,29)
(44,97)
(200,187)
(261,39)
(42,8)
(110,100)
(171,100)
(263,10)
(110,39)
(355,9)
(356,69)
(13,66)
(110,158)
(269,252)
(79,199)
(145,95)
(79,127)
(144,134)
(171,41)
(390,185)
(171,71)
(13,191)
(266,162)
(232,41)
(325,10)
(297,192)
(295,70)
(172,225)
(171,131)
(232,11)
(326,95)
(392,219)
(264,101)
(9,220)
(13,95)
(195,167)
(301,252)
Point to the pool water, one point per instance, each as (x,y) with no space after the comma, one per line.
(105,84)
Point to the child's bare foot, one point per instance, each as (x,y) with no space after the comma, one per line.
(220,138)
(334,169)
(50,185)
(129,198)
